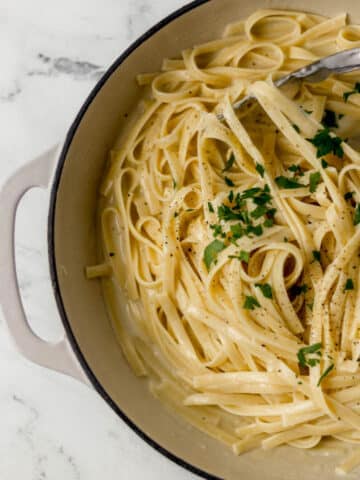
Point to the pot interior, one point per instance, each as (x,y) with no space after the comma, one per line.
(86,151)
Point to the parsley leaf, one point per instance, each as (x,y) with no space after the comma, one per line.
(210,207)
(242,256)
(269,222)
(304,352)
(260,169)
(296,169)
(229,182)
(229,163)
(211,252)
(218,231)
(324,163)
(346,95)
(256,230)
(250,192)
(266,289)
(314,181)
(174,184)
(237,231)
(284,182)
(316,255)
(325,143)
(297,290)
(357,215)
(329,119)
(250,303)
(259,211)
(349,285)
(327,371)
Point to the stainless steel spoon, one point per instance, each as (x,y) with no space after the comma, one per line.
(342,62)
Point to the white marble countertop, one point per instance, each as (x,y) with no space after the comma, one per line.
(52,53)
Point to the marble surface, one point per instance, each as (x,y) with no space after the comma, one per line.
(52,53)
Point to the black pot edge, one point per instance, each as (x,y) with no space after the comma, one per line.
(51,240)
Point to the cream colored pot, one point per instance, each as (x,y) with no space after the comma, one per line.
(89,350)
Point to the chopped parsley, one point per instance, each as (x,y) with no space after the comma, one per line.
(324,163)
(326,143)
(329,119)
(229,182)
(237,231)
(304,357)
(251,192)
(255,229)
(297,290)
(266,289)
(349,195)
(250,303)
(231,196)
(174,184)
(316,255)
(229,163)
(210,207)
(242,256)
(296,128)
(356,89)
(357,214)
(314,181)
(284,182)
(218,231)
(259,211)
(211,252)
(349,285)
(260,169)
(296,169)
(269,222)
(325,373)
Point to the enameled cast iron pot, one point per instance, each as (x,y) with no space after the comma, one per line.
(89,351)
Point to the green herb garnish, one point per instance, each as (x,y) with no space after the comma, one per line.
(316,255)
(260,169)
(255,229)
(349,285)
(229,182)
(218,231)
(296,169)
(237,231)
(297,290)
(296,128)
(303,353)
(327,371)
(284,182)
(329,119)
(266,289)
(326,143)
(357,214)
(231,196)
(356,89)
(259,211)
(211,252)
(269,222)
(174,184)
(250,303)
(314,181)
(324,163)
(229,163)
(210,207)
(242,256)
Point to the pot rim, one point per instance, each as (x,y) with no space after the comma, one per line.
(51,239)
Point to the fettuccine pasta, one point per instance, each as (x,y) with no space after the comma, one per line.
(237,241)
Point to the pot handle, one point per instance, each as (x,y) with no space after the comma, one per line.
(54,355)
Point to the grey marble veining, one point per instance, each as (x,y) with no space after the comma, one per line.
(52,53)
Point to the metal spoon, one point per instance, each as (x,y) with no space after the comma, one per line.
(342,62)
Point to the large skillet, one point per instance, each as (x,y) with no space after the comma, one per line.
(89,351)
